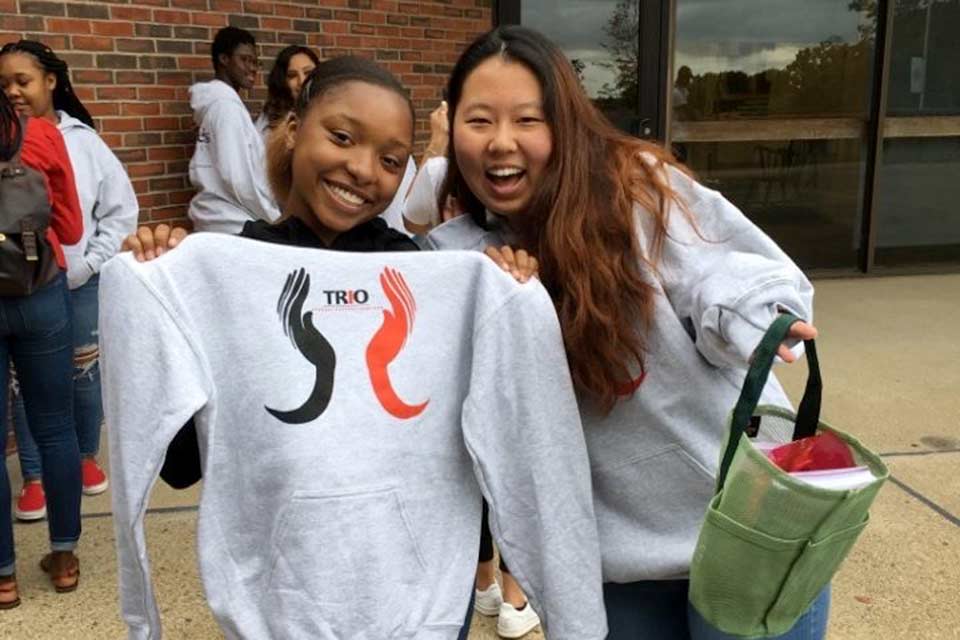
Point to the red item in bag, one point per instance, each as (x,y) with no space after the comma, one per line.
(822,451)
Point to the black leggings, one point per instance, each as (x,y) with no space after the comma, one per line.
(486,540)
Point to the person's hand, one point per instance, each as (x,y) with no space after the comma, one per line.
(799,331)
(520,264)
(147,244)
(439,132)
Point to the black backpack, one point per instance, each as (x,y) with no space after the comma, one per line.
(27,261)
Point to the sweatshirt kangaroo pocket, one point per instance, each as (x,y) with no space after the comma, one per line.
(344,565)
(649,508)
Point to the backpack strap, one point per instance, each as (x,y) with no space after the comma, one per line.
(13,167)
(23,134)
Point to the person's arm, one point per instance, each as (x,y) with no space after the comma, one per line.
(420,210)
(726,276)
(240,161)
(144,406)
(521,426)
(44,150)
(115,213)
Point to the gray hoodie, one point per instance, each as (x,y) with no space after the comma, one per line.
(429,379)
(228,167)
(655,456)
(107,200)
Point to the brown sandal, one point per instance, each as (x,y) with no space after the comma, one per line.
(9,596)
(64,570)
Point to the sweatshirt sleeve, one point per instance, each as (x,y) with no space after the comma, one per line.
(522,429)
(726,277)
(153,382)
(45,151)
(420,205)
(115,213)
(240,161)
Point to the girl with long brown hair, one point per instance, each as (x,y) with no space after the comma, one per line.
(663,289)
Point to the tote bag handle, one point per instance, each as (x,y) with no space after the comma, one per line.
(808,413)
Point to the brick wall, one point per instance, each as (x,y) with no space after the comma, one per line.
(132,61)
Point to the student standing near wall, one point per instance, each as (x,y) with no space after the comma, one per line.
(35,332)
(37,82)
(290,70)
(227,167)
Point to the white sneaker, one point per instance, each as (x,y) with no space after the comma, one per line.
(488,601)
(515,624)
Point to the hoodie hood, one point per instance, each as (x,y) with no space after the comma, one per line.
(107,200)
(68,122)
(205,94)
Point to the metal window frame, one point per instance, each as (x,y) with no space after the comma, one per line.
(652,108)
(875,132)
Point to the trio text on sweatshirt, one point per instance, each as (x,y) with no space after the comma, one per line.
(351,411)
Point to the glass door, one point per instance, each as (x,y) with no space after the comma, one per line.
(618,48)
(770,105)
(917,216)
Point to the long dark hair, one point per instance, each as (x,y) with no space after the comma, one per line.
(64,97)
(580,223)
(279,99)
(10,129)
(328,75)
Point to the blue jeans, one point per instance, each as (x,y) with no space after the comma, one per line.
(648,610)
(35,332)
(812,625)
(659,610)
(87,401)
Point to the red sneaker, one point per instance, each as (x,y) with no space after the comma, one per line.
(32,504)
(94,479)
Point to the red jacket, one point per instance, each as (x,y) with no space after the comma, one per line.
(43,149)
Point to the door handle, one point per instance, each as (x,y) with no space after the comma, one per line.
(643,128)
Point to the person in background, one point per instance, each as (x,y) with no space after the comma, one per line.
(420,211)
(35,332)
(227,167)
(290,71)
(38,83)
(663,289)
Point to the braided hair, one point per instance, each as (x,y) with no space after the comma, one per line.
(10,129)
(64,97)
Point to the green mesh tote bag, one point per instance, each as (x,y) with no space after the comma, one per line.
(770,541)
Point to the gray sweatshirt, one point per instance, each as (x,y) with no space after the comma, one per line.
(655,456)
(107,199)
(227,167)
(351,411)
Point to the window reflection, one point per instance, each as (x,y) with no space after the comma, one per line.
(601,38)
(787,58)
(923,68)
(804,193)
(917,218)
(916,215)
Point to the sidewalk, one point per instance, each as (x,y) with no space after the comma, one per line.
(891,366)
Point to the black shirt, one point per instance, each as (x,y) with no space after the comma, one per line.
(181,467)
